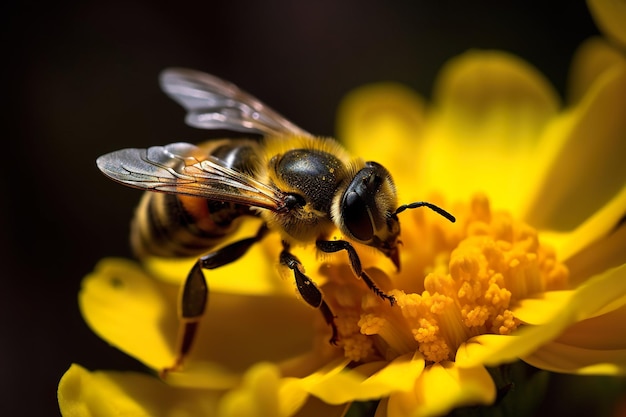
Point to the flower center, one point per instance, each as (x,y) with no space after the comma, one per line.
(457,281)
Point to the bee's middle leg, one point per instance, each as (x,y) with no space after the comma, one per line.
(308,290)
(195,292)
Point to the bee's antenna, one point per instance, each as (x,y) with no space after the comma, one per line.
(430,206)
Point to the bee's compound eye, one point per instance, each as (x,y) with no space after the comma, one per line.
(356,215)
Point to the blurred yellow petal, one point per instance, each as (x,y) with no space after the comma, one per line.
(441,388)
(610,16)
(591,60)
(258,395)
(264,393)
(490,108)
(91,394)
(589,170)
(129,310)
(377,120)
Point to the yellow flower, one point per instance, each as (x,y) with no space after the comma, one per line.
(534,268)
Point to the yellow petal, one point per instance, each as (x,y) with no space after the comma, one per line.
(369,381)
(335,384)
(591,60)
(441,388)
(382,123)
(493,350)
(582,167)
(610,16)
(264,393)
(89,394)
(542,308)
(490,108)
(128,309)
(138,315)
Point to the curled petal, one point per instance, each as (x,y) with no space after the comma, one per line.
(441,388)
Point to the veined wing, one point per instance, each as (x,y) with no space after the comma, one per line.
(177,169)
(213,103)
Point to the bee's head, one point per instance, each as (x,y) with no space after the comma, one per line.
(367,211)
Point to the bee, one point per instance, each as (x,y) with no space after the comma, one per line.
(301,186)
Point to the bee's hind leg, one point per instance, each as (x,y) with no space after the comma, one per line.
(308,290)
(195,293)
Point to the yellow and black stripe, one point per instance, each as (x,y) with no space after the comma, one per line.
(173,225)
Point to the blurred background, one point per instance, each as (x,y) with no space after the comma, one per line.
(82,81)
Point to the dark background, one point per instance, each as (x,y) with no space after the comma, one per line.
(82,81)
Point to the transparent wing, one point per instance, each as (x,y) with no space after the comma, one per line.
(178,169)
(213,103)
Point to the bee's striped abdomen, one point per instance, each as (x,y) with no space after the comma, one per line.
(169,225)
(173,226)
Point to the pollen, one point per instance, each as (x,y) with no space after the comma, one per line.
(462,280)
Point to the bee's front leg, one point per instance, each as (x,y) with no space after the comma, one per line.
(195,293)
(331,246)
(308,290)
